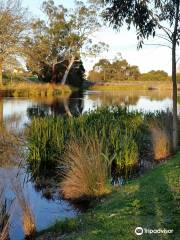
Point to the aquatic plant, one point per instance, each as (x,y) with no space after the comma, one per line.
(28,219)
(48,137)
(123,134)
(161,144)
(36,90)
(4,217)
(160,127)
(85,170)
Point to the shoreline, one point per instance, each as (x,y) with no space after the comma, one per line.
(134,198)
(131,85)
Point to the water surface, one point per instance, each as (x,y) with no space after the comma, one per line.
(16,113)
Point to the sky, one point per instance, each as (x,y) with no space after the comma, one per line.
(124,42)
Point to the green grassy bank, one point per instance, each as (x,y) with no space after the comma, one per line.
(151,201)
(132,85)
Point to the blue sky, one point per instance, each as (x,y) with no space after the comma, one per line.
(124,42)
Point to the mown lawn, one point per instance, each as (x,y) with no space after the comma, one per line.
(151,201)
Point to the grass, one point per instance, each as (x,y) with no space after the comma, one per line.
(30,89)
(4,217)
(28,220)
(151,201)
(132,85)
(86,170)
(161,144)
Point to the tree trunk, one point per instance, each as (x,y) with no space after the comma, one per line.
(104,75)
(174,82)
(52,77)
(67,71)
(1,79)
(1,113)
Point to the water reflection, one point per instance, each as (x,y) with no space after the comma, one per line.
(73,106)
(46,212)
(16,113)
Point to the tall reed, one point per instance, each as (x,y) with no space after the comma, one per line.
(4,217)
(25,89)
(28,219)
(123,134)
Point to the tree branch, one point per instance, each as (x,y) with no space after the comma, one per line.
(158,44)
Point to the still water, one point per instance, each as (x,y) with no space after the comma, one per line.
(16,113)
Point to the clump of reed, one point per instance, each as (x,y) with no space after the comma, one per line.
(29,89)
(160,126)
(4,217)
(28,219)
(161,144)
(86,170)
(128,155)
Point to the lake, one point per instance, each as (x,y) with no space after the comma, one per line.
(16,113)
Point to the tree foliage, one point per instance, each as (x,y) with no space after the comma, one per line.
(150,18)
(155,76)
(13,26)
(66,35)
(118,70)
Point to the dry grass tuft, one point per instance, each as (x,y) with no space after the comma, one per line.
(161,144)
(4,218)
(28,219)
(87,173)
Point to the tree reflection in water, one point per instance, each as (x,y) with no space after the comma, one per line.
(72,106)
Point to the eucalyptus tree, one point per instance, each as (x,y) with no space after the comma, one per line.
(64,34)
(13,26)
(83,23)
(154,18)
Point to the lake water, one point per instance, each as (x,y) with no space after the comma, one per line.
(16,113)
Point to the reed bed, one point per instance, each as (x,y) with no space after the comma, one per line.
(128,142)
(125,135)
(37,90)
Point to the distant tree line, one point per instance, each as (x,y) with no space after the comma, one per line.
(121,70)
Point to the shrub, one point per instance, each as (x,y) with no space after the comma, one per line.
(161,144)
(86,172)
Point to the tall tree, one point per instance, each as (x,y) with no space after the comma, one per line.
(150,18)
(65,35)
(12,28)
(117,70)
